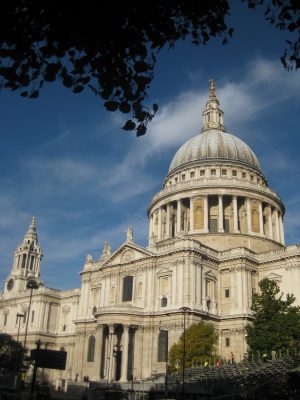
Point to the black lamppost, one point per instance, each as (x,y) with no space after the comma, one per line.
(19,316)
(31,284)
(184,310)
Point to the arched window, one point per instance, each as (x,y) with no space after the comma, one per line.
(162,355)
(164,302)
(127,288)
(91,349)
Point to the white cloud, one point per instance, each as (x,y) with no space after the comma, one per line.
(263,84)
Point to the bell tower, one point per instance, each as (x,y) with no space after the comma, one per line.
(27,261)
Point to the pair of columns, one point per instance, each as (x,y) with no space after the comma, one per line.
(109,353)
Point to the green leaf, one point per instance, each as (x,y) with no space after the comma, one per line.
(34,94)
(129,126)
(78,89)
(111,105)
(124,107)
(141,130)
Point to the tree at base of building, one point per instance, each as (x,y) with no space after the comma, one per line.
(200,342)
(276,322)
(11,354)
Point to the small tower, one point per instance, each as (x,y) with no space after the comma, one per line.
(27,261)
(213,116)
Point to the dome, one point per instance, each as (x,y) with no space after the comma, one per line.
(214,145)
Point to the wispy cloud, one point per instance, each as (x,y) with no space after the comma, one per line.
(94,198)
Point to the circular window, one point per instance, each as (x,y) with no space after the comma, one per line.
(10,284)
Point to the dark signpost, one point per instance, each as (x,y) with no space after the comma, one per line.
(49,358)
(44,358)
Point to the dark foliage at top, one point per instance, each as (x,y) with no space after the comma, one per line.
(111,47)
(276,324)
(10,353)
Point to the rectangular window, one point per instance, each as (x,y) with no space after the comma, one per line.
(32,316)
(202,172)
(213,172)
(127,288)
(31,262)
(162,355)
(227,342)
(5,320)
(25,316)
(192,175)
(226,225)
(227,293)
(23,261)
(183,177)
(213,225)
(224,171)
(234,173)
(243,174)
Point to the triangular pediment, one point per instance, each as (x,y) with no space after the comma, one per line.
(126,253)
(274,277)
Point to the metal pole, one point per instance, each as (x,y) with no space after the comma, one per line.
(183,361)
(32,387)
(184,310)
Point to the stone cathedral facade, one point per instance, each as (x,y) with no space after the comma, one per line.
(215,229)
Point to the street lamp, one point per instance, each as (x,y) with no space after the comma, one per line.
(184,310)
(19,316)
(31,284)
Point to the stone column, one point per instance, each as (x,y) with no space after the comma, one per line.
(125,343)
(248,205)
(261,221)
(168,221)
(178,216)
(150,229)
(235,215)
(281,229)
(277,225)
(159,230)
(205,216)
(204,294)
(271,234)
(106,355)
(220,215)
(98,349)
(191,215)
(138,353)
(110,358)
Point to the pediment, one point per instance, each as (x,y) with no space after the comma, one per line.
(274,277)
(127,253)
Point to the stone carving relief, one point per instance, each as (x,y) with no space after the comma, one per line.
(128,255)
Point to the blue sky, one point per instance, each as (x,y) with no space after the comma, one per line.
(65,160)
